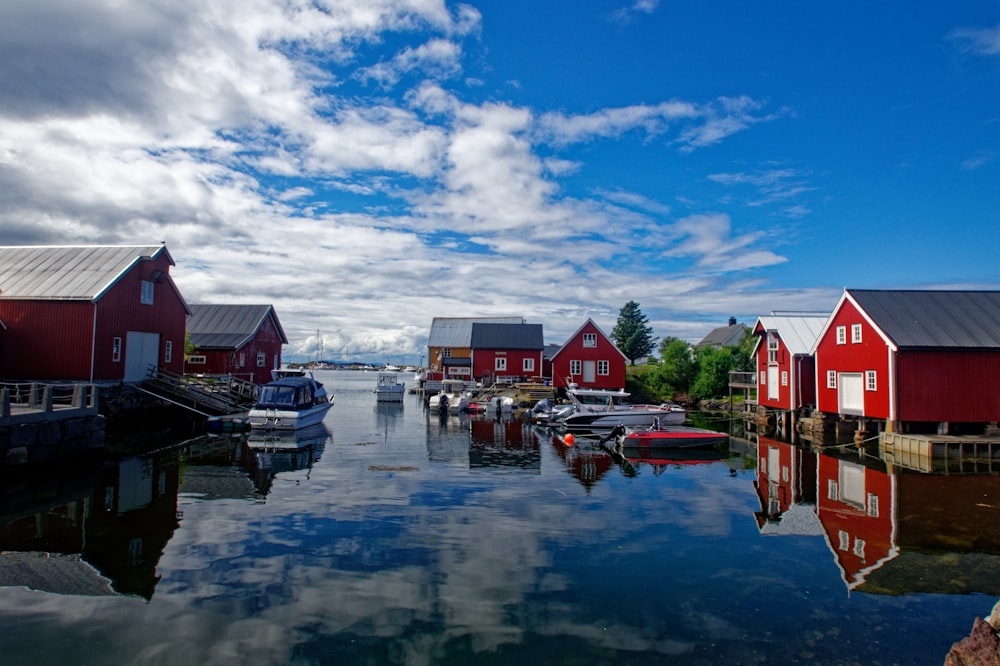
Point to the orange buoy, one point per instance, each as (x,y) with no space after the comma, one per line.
(568,439)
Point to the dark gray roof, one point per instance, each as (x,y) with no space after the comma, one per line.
(457,331)
(724,336)
(229,326)
(507,336)
(68,272)
(934,319)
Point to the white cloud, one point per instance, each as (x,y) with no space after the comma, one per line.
(981,41)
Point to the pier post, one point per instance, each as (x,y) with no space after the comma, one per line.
(5,403)
(47,398)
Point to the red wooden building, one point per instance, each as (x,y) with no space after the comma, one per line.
(506,353)
(589,359)
(89,313)
(786,370)
(243,341)
(786,488)
(917,359)
(855,505)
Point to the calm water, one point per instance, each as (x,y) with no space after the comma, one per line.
(393,537)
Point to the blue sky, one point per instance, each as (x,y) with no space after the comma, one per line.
(367,165)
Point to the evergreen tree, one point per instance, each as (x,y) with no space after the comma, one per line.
(632,334)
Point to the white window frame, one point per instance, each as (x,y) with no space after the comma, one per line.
(772,348)
(528,365)
(841,335)
(146,292)
(784,377)
(763,378)
(261,359)
(168,351)
(872,503)
(590,340)
(604,368)
(845,540)
(116,349)
(500,364)
(575,367)
(197,359)
(241,360)
(871,380)
(855,334)
(831,379)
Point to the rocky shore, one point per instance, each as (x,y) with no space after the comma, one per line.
(982,646)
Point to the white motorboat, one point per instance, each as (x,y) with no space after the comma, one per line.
(388,388)
(452,397)
(600,409)
(290,403)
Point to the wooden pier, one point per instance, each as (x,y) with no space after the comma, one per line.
(35,402)
(959,454)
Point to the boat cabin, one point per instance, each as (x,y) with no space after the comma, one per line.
(290,393)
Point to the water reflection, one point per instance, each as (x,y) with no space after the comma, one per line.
(889,530)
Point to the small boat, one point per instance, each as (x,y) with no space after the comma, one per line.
(388,388)
(451,398)
(660,436)
(601,409)
(289,404)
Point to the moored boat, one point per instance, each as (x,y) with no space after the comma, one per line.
(661,436)
(600,409)
(388,388)
(289,404)
(452,397)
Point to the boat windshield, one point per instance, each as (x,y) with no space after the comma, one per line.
(278,396)
(602,400)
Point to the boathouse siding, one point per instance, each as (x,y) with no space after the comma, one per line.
(912,356)
(589,359)
(236,339)
(89,313)
(786,369)
(506,352)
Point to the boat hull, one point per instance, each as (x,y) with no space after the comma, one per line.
(630,418)
(282,419)
(389,395)
(677,437)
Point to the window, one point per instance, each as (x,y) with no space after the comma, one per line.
(116,350)
(871,383)
(500,363)
(241,359)
(784,377)
(261,360)
(859,548)
(832,491)
(841,335)
(831,379)
(146,295)
(844,538)
(763,378)
(196,360)
(528,365)
(772,348)
(873,505)
(604,368)
(576,367)
(855,333)
(590,339)
(168,351)
(446,352)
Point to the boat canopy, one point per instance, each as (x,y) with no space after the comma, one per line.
(288,393)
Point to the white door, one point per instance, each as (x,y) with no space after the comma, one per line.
(772,382)
(589,372)
(851,393)
(141,351)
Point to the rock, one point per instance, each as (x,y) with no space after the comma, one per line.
(980,648)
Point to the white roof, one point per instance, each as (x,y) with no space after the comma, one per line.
(70,272)
(798,331)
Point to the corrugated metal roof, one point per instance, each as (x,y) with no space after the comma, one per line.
(934,319)
(507,336)
(229,326)
(457,331)
(797,331)
(67,272)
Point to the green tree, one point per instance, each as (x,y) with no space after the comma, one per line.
(632,333)
(713,372)
(677,368)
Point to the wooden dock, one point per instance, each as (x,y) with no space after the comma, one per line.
(35,402)
(958,454)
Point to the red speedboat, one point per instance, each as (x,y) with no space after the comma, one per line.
(669,437)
